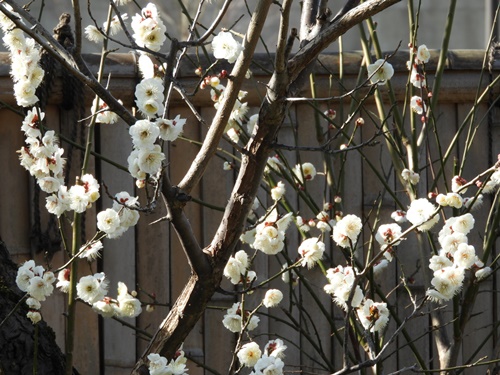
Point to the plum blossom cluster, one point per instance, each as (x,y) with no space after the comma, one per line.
(37,283)
(25,56)
(78,197)
(269,235)
(159,365)
(236,269)
(116,220)
(147,156)
(238,113)
(270,361)
(374,316)
(454,258)
(93,289)
(421,56)
(42,156)
(149,29)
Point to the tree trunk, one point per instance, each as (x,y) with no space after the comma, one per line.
(17,334)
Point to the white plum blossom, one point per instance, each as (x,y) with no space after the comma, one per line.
(420,213)
(149,29)
(269,239)
(104,307)
(380,72)
(417,79)
(347,230)
(91,251)
(275,348)
(224,46)
(127,306)
(399,216)
(233,319)
(236,267)
(306,172)
(34,316)
(63,280)
(278,191)
(374,316)
(423,55)
(269,366)
(150,161)
(341,281)
(450,241)
(311,251)
(93,34)
(483,273)
(457,183)
(387,233)
(170,130)
(144,133)
(410,176)
(108,221)
(249,354)
(272,298)
(438,262)
(417,105)
(40,287)
(462,224)
(92,288)
(465,256)
(104,115)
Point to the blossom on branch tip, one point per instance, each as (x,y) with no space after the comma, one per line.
(423,55)
(149,29)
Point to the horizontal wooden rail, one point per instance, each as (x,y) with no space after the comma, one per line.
(459,84)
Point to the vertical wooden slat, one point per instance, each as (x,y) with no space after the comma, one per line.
(118,254)
(15,213)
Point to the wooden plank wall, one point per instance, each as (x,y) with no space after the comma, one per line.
(150,260)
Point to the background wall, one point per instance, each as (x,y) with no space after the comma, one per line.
(472,21)
(150,258)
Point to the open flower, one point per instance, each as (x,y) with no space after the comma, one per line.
(249,354)
(380,72)
(272,298)
(224,46)
(311,250)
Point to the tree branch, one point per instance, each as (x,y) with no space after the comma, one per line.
(331,33)
(231,92)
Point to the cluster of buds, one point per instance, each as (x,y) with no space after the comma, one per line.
(211,80)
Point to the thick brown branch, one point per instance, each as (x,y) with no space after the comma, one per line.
(331,33)
(231,92)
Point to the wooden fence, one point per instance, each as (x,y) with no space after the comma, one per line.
(150,256)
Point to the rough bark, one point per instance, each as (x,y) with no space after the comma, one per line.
(17,333)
